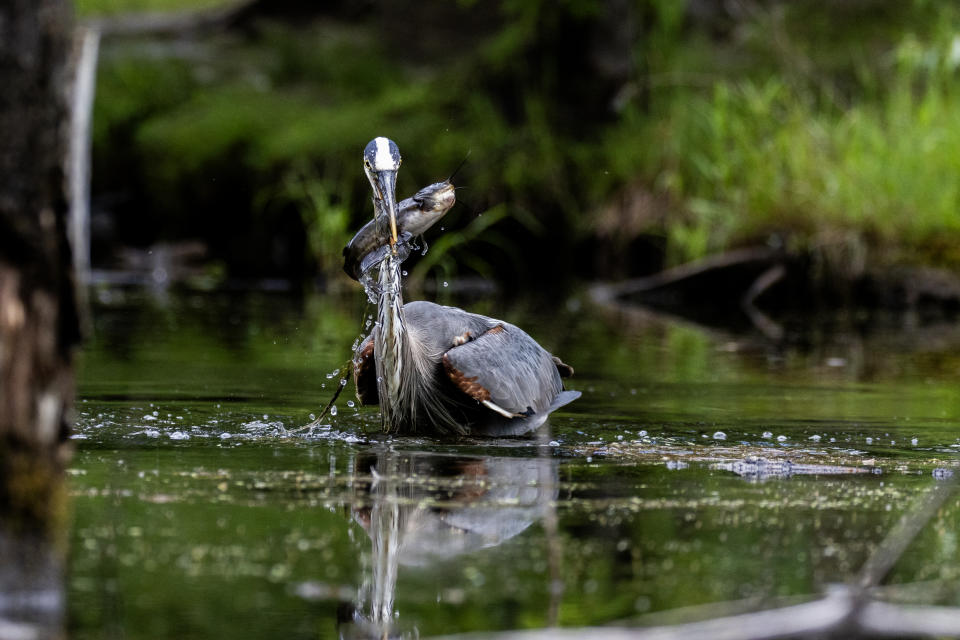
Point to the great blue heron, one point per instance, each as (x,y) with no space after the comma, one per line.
(442,370)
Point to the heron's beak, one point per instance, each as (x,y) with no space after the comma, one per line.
(385,189)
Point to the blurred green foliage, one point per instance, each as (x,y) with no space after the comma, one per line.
(113,7)
(814,124)
(788,154)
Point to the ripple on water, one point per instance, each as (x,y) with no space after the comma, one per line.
(224,427)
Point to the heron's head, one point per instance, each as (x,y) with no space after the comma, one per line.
(381,161)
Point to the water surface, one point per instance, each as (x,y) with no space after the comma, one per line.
(700,466)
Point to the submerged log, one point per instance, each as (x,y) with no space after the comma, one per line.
(737,289)
(38,315)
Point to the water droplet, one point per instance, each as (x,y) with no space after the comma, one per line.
(443,228)
(767,434)
(815,438)
(343,382)
(404,272)
(333,410)
(719,435)
(642,433)
(869,440)
(446,284)
(156,413)
(312,417)
(781,438)
(914,441)
(350,403)
(266,417)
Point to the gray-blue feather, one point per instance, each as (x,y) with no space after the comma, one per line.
(518,373)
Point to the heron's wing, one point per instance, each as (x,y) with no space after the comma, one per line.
(365,373)
(506,367)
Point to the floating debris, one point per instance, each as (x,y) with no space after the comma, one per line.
(757,468)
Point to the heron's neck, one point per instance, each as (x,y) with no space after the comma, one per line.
(392,349)
(405,367)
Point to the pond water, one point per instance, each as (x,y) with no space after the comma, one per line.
(700,466)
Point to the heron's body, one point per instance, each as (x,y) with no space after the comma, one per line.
(456,360)
(441,370)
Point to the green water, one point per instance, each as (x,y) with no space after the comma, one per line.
(200,512)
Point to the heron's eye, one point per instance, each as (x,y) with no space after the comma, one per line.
(366,163)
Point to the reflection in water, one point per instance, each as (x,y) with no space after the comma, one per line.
(31,586)
(239,530)
(420,508)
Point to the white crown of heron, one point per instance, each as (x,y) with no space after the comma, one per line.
(383,159)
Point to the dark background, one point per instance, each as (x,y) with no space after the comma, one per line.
(603,139)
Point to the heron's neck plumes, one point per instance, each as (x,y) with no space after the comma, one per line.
(390,347)
(406,379)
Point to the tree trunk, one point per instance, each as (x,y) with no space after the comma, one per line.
(38,315)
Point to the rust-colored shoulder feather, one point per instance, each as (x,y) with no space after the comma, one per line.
(365,374)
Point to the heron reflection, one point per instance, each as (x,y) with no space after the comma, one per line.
(420,508)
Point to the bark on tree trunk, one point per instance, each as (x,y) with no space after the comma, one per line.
(38,315)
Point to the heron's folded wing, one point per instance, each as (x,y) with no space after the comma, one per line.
(507,367)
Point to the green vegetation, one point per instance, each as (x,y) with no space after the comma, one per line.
(758,155)
(114,7)
(817,126)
